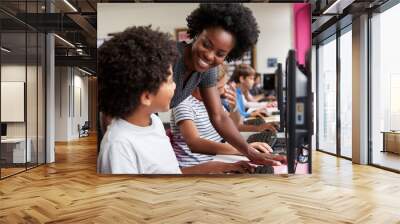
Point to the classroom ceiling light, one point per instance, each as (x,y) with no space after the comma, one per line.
(64,40)
(70,5)
(5,50)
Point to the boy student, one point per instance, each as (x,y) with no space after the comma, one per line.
(228,99)
(243,76)
(135,81)
(194,139)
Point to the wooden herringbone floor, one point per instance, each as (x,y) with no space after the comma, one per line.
(70,191)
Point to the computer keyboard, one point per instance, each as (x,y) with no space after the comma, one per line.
(265,169)
(256,121)
(264,136)
(278,144)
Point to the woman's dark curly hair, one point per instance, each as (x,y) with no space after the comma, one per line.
(232,17)
(131,62)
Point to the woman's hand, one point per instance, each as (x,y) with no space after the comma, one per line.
(258,113)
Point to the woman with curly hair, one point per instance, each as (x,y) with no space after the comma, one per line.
(219,32)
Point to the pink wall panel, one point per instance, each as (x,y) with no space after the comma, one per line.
(302,30)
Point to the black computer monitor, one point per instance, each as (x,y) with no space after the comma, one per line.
(3,129)
(299,113)
(281,95)
(269,80)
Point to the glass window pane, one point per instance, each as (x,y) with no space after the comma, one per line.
(13,86)
(31,96)
(23,87)
(41,98)
(346,94)
(385,84)
(327,97)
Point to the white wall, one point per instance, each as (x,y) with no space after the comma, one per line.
(62,81)
(16,72)
(274,20)
(67,115)
(80,84)
(276,33)
(33,127)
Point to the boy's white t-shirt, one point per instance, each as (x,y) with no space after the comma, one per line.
(131,149)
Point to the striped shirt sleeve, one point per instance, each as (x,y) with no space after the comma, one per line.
(184,111)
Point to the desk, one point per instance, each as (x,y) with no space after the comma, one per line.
(272,118)
(13,150)
(302,168)
(246,134)
(391,141)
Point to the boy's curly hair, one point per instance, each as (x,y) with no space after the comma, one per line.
(131,62)
(242,70)
(232,17)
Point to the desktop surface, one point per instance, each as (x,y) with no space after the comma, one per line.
(280,134)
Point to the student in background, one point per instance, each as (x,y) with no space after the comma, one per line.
(243,76)
(228,100)
(135,81)
(256,93)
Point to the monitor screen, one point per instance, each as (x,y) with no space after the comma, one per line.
(269,81)
(280,95)
(3,129)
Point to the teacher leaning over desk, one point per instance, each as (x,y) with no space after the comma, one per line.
(218,32)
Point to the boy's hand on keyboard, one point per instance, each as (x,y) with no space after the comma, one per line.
(262,147)
(258,113)
(240,167)
(266,126)
(262,158)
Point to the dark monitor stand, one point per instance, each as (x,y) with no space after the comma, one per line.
(291,112)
